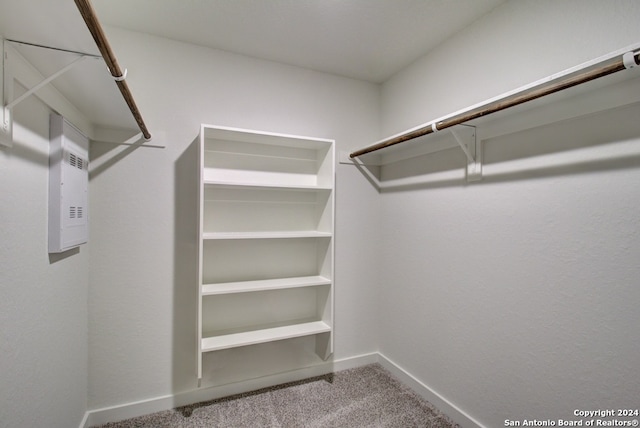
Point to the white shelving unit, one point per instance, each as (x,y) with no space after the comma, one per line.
(266,239)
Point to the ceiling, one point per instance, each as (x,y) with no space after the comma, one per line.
(363,39)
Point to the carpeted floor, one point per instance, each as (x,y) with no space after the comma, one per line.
(362,397)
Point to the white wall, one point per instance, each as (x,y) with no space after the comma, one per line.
(516,297)
(142,298)
(517,43)
(43,303)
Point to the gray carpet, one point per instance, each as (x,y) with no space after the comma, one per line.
(362,397)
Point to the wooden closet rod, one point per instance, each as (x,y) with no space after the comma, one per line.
(604,69)
(90,18)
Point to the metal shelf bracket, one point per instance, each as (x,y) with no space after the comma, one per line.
(8,103)
(6,87)
(466,137)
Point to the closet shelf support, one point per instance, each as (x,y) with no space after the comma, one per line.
(7,93)
(46,81)
(466,138)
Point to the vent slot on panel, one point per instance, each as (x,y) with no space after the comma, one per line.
(76,212)
(75,161)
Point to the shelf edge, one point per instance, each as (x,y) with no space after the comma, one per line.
(236,340)
(264,285)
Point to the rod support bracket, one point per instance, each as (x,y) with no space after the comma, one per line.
(120,78)
(629,59)
(466,137)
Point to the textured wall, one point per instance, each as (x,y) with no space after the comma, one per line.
(516,297)
(43,303)
(517,43)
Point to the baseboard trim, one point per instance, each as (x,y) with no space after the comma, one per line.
(167,402)
(144,407)
(447,407)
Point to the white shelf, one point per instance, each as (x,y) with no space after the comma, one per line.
(235,340)
(263,185)
(266,235)
(263,285)
(261,137)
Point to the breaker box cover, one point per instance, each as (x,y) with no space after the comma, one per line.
(68,186)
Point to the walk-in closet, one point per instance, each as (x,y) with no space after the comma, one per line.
(356,213)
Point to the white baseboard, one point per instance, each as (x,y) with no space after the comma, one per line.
(456,414)
(144,407)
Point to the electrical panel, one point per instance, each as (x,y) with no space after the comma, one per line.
(68,186)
